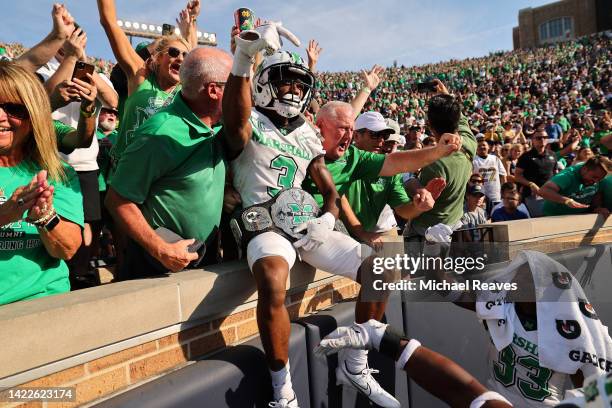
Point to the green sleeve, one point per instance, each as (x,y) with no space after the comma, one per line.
(397,195)
(61,131)
(564,180)
(67,197)
(368,164)
(468,139)
(432,171)
(143,162)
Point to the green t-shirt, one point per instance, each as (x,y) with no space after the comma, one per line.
(104,158)
(570,185)
(174,169)
(564,123)
(368,198)
(354,165)
(456,170)
(61,130)
(27,269)
(139,106)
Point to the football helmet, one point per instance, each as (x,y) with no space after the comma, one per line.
(281,68)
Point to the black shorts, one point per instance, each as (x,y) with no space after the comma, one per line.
(91,195)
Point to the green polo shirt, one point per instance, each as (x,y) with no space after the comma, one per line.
(368,198)
(570,185)
(175,171)
(354,165)
(456,170)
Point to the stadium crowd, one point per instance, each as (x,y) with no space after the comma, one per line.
(160,167)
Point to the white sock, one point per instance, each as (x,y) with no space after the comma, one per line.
(281,383)
(356,360)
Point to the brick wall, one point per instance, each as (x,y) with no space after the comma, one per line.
(106,375)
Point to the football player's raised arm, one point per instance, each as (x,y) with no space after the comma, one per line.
(236,113)
(325,184)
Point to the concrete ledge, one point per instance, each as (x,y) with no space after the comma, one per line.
(42,331)
(541,228)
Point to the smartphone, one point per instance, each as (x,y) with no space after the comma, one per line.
(81,69)
(171,237)
(167,29)
(429,86)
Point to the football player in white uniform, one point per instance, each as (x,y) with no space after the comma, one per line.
(272,148)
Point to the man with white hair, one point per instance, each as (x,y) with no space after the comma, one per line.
(174,166)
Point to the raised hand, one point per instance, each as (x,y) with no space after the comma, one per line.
(63,94)
(371,78)
(313,51)
(75,44)
(440,87)
(63,23)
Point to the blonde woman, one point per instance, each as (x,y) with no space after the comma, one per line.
(41,210)
(151,84)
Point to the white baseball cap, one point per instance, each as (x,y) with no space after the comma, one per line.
(395,136)
(372,121)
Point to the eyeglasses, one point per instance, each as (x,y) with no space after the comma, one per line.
(15,110)
(479,181)
(378,135)
(175,52)
(218,83)
(540,138)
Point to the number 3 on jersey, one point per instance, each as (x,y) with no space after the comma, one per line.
(287,167)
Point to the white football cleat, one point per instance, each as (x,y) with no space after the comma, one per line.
(364,383)
(284,403)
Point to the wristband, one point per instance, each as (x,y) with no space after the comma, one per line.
(366,89)
(407,353)
(488,396)
(533,185)
(568,201)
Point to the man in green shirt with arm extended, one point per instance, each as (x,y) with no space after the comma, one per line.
(367,198)
(573,191)
(444,116)
(173,174)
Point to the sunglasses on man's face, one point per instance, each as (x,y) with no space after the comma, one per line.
(378,135)
(540,138)
(175,52)
(15,110)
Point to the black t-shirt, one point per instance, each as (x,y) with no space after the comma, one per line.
(537,168)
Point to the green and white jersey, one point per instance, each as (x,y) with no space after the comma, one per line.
(274,159)
(515,371)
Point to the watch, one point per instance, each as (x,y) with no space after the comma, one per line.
(50,223)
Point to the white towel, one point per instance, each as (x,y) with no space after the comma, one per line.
(570,336)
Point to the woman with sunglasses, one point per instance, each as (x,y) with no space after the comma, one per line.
(152,84)
(41,212)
